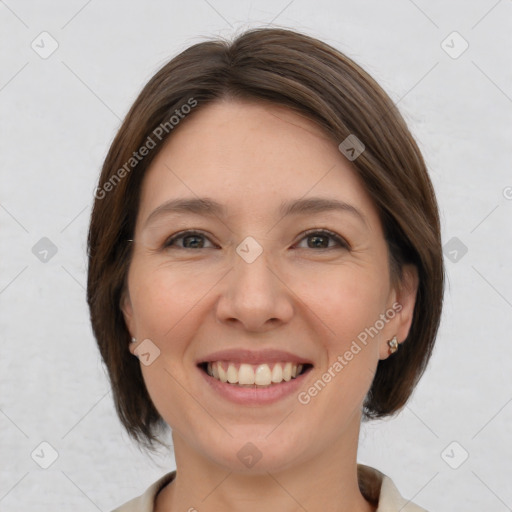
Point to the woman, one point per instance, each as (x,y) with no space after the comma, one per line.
(265,272)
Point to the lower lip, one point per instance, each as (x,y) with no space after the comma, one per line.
(254,396)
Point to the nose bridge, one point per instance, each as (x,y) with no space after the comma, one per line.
(252,270)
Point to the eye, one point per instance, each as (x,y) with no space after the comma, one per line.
(320,239)
(191,240)
(195,240)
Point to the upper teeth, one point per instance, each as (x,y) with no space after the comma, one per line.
(248,374)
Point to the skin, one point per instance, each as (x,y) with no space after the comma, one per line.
(191,300)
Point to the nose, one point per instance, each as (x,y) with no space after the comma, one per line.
(255,295)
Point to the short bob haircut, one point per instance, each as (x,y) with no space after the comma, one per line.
(276,66)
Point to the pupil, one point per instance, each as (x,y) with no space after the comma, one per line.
(316,238)
(188,237)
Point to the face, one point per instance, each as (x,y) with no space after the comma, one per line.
(287,271)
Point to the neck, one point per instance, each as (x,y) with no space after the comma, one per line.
(327,481)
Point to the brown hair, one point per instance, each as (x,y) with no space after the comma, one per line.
(313,79)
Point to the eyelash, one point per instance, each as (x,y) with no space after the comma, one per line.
(323,232)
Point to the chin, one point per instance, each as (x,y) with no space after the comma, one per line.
(256,450)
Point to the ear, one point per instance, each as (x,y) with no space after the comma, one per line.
(127,309)
(403,302)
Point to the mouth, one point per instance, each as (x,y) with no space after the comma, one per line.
(248,375)
(253,378)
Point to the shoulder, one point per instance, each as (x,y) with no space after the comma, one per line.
(146,502)
(380,489)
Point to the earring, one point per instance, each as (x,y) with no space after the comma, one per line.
(393,345)
(133,340)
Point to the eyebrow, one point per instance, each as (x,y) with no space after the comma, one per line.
(210,208)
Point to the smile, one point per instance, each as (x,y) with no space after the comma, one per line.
(254,378)
(253,375)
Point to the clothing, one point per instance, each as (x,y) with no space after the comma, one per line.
(375,486)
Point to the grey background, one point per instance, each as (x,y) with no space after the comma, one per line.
(58,116)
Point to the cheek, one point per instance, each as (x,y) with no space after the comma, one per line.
(161,299)
(346,299)
(163,304)
(347,303)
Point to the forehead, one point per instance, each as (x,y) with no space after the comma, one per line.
(248,155)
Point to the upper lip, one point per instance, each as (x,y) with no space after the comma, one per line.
(254,357)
